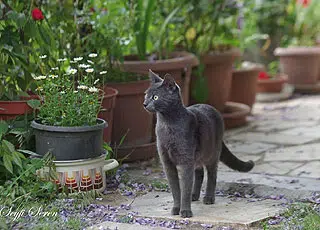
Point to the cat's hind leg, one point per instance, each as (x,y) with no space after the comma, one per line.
(198,179)
(210,195)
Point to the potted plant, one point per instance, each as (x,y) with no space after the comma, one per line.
(19,32)
(245,77)
(145,53)
(208,30)
(67,124)
(271,81)
(299,58)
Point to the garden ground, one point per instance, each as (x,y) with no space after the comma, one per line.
(283,138)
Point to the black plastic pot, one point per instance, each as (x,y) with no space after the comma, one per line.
(70,143)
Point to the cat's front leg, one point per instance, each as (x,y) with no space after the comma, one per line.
(186,173)
(173,179)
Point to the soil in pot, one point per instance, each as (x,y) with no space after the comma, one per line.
(69,143)
(244,86)
(218,74)
(106,113)
(178,65)
(301,64)
(273,84)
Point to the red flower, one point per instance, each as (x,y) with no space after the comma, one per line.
(92,9)
(37,14)
(263,76)
(304,3)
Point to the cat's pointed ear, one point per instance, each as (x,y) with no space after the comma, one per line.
(169,82)
(154,78)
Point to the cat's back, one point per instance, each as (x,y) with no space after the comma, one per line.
(205,113)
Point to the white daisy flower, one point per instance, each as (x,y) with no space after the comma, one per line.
(53,76)
(84,66)
(89,70)
(76,91)
(39,88)
(62,92)
(93,55)
(54,68)
(61,59)
(82,87)
(43,56)
(96,81)
(72,62)
(72,71)
(91,62)
(103,72)
(78,59)
(93,90)
(41,77)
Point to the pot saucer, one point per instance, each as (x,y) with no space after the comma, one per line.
(307,88)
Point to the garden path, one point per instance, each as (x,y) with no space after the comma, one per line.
(283,138)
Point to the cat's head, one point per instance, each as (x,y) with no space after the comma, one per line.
(162,94)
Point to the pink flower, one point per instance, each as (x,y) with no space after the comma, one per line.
(263,76)
(37,14)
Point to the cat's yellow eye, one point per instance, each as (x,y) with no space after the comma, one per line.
(155,97)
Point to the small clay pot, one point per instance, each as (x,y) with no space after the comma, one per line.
(244,85)
(218,74)
(272,85)
(301,64)
(106,113)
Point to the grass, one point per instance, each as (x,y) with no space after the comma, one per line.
(299,215)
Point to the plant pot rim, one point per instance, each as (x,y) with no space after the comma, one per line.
(218,57)
(114,93)
(280,77)
(248,70)
(180,60)
(99,159)
(297,51)
(66,129)
(238,110)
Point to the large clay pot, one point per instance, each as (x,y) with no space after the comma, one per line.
(179,66)
(244,86)
(272,85)
(132,120)
(106,113)
(218,74)
(301,64)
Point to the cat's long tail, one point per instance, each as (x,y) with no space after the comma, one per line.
(233,162)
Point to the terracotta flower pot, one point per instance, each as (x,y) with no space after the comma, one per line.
(272,85)
(11,109)
(132,119)
(235,114)
(179,65)
(301,64)
(218,73)
(244,86)
(107,111)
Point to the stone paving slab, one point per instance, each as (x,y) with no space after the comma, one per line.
(295,153)
(278,125)
(224,211)
(311,169)
(274,138)
(304,131)
(276,168)
(249,147)
(122,226)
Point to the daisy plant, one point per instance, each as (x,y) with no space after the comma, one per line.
(70,94)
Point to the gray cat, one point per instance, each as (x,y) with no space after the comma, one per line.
(188,139)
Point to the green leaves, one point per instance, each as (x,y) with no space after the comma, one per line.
(3,128)
(35,104)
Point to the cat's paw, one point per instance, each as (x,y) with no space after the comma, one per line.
(186,213)
(208,200)
(195,197)
(175,211)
